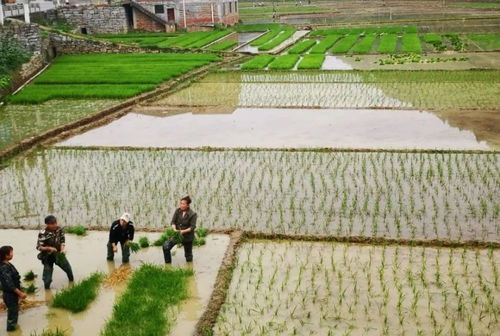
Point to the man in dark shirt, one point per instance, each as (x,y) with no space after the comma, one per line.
(11,286)
(52,243)
(183,221)
(122,231)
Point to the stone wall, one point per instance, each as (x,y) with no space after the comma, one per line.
(95,19)
(28,35)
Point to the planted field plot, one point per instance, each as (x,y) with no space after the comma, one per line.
(406,195)
(302,46)
(353,89)
(140,39)
(284,35)
(295,288)
(194,40)
(259,62)
(325,44)
(108,76)
(284,62)
(18,122)
(487,42)
(311,62)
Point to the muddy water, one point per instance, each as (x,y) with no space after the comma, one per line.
(335,63)
(88,254)
(339,128)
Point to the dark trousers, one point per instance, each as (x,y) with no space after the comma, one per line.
(169,244)
(125,252)
(12,302)
(48,269)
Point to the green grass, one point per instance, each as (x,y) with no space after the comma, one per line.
(78,297)
(141,310)
(282,37)
(388,44)
(48,332)
(221,46)
(364,46)
(284,62)
(344,45)
(311,61)
(258,62)
(214,36)
(113,76)
(325,44)
(411,43)
(78,230)
(488,42)
(301,47)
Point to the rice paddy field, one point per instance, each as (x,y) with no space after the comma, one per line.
(339,200)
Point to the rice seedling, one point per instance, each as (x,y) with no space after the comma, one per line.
(284,35)
(144,242)
(259,62)
(78,230)
(256,27)
(388,43)
(301,46)
(49,332)
(311,61)
(78,297)
(141,310)
(194,40)
(274,31)
(411,43)
(30,289)
(284,62)
(30,276)
(134,247)
(343,45)
(364,46)
(325,44)
(222,46)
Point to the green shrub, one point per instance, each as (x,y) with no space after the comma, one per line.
(12,54)
(78,297)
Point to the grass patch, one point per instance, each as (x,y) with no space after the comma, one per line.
(411,43)
(142,308)
(301,47)
(258,62)
(78,230)
(325,44)
(345,44)
(284,62)
(221,46)
(388,44)
(282,37)
(78,297)
(488,42)
(311,61)
(364,46)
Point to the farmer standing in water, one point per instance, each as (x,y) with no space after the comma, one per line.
(183,221)
(121,231)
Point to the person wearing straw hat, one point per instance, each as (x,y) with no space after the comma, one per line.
(122,231)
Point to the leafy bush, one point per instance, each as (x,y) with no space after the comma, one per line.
(12,55)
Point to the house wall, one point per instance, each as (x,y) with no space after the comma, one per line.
(96,19)
(142,22)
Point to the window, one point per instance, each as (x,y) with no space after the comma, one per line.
(159,9)
(230,7)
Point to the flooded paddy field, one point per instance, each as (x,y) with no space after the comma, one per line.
(87,255)
(18,122)
(302,288)
(448,196)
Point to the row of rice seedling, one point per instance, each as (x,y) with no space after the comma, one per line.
(325,44)
(411,43)
(284,62)
(364,46)
(284,35)
(302,288)
(273,31)
(194,39)
(388,43)
(449,196)
(222,46)
(365,30)
(258,62)
(108,76)
(345,44)
(301,47)
(311,61)
(142,309)
(487,42)
(141,39)
(256,27)
(78,297)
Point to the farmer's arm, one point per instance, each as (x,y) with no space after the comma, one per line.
(131,232)
(40,245)
(63,241)
(174,221)
(112,237)
(192,224)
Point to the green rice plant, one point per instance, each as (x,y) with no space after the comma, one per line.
(325,44)
(345,44)
(411,43)
(257,27)
(184,40)
(221,46)
(78,230)
(258,62)
(388,44)
(455,41)
(311,61)
(199,241)
(271,34)
(141,310)
(201,232)
(364,46)
(214,36)
(144,242)
(29,276)
(282,37)
(284,62)
(31,289)
(411,29)
(487,42)
(48,332)
(301,47)
(134,247)
(78,297)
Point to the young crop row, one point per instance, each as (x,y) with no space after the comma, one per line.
(406,195)
(365,30)
(222,46)
(284,35)
(194,40)
(108,76)
(298,288)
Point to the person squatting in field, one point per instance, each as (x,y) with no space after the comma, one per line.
(121,231)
